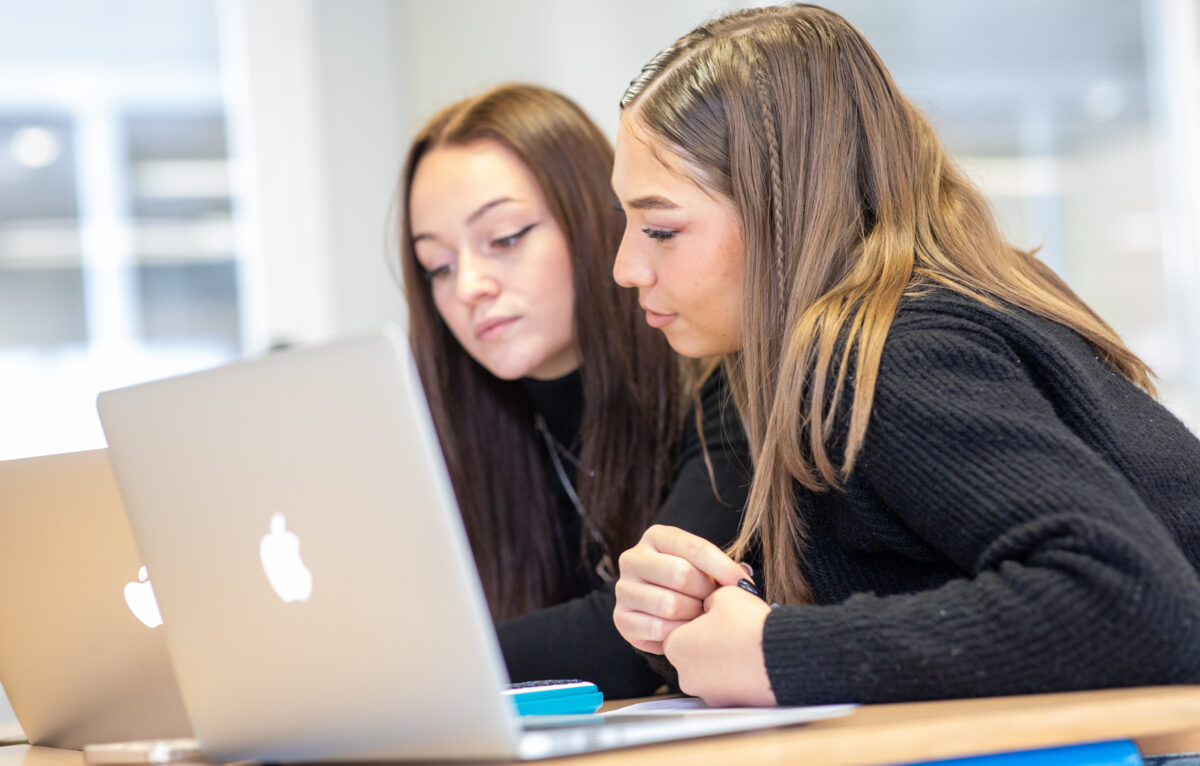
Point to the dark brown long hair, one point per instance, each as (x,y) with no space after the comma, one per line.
(632,412)
(848,201)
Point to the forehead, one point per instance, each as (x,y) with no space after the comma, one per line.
(456,178)
(644,165)
(638,159)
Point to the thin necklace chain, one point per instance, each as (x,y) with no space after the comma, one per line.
(555,446)
(605,568)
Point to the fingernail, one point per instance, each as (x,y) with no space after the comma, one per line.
(749,587)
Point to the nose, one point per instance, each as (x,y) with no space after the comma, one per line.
(631,268)
(474,281)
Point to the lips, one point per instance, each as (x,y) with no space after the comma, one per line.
(493,327)
(657,319)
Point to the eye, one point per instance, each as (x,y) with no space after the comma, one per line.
(505,243)
(659,234)
(433,274)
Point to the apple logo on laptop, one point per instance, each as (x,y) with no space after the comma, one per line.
(280,553)
(139,596)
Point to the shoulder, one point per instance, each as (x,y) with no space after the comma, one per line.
(955,358)
(937,327)
(942,310)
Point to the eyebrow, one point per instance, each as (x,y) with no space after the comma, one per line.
(473,217)
(652,203)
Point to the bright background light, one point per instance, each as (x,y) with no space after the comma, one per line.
(35,147)
(183,183)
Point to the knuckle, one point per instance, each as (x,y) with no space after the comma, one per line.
(625,560)
(621,590)
(674,606)
(679,573)
(669,606)
(662,630)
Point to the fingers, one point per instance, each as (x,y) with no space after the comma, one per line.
(664,581)
(659,602)
(721,596)
(644,564)
(643,631)
(697,551)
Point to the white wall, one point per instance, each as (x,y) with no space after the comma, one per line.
(328,93)
(589,51)
(342,86)
(315,98)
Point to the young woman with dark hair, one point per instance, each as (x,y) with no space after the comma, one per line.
(964,485)
(562,417)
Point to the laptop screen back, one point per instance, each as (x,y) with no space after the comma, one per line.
(78,659)
(318,592)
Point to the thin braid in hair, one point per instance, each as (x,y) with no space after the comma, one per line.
(769,123)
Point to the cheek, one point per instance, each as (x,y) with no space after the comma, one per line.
(731,265)
(555,278)
(452,312)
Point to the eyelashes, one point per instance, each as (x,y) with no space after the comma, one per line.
(432,274)
(512,239)
(499,244)
(658,234)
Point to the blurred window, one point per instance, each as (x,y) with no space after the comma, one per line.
(1079,119)
(117,250)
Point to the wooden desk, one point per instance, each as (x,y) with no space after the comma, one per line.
(902,733)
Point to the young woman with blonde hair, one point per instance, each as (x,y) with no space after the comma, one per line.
(561,415)
(963,483)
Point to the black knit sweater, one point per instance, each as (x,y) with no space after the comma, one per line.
(1021,519)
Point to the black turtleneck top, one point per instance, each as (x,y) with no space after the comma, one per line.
(577,638)
(559,402)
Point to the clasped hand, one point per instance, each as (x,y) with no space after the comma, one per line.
(678,596)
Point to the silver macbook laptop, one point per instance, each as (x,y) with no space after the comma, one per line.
(319,597)
(80,657)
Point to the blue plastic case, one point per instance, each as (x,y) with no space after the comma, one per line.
(555,697)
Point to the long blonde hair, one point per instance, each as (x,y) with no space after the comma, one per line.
(847,201)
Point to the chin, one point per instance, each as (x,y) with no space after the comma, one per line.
(686,344)
(508,372)
(505,369)
(691,350)
(540,363)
